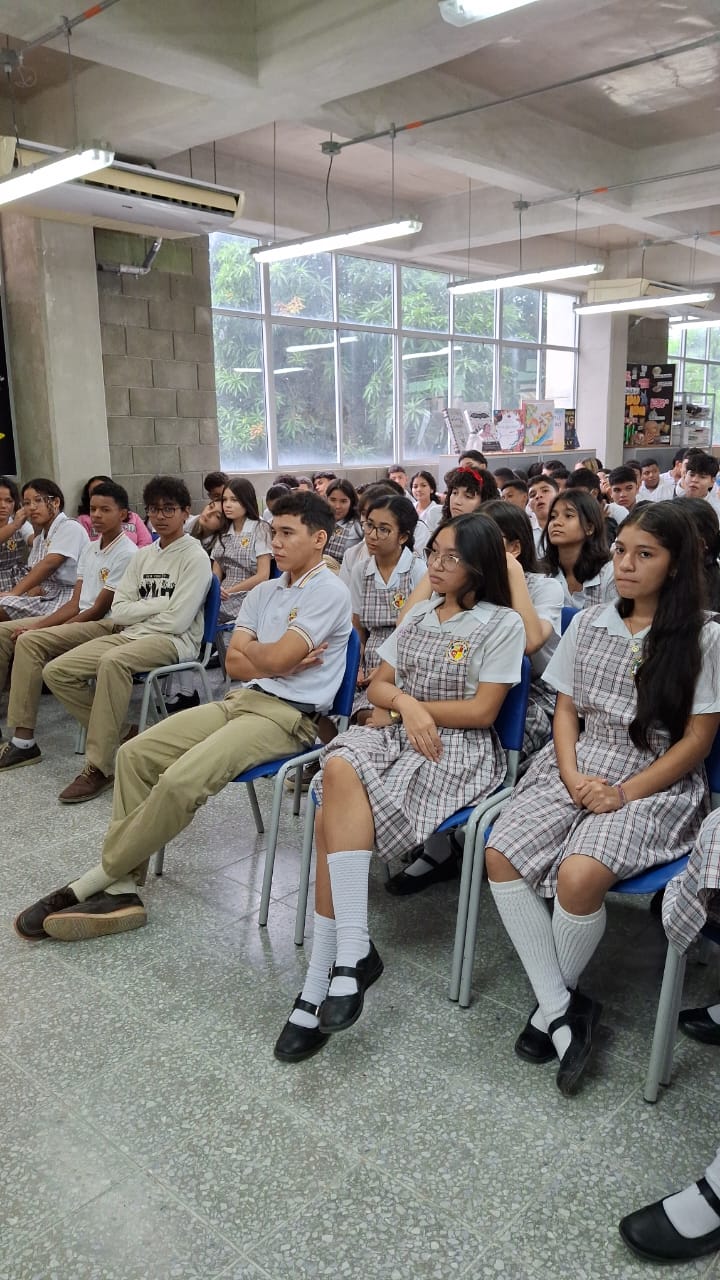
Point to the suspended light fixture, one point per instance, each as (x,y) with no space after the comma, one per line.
(527,277)
(67,167)
(460,13)
(331,240)
(694,324)
(648,302)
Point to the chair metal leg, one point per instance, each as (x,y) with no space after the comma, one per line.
(259,824)
(478,864)
(661,1052)
(145,706)
(159,861)
(298,791)
(462,912)
(80,740)
(205,684)
(305,861)
(271,844)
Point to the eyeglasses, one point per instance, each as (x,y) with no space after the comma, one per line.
(377,530)
(447,560)
(162,511)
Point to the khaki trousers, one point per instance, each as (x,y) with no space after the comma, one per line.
(28,656)
(167,773)
(111,661)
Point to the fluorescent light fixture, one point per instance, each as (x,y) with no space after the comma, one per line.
(293,368)
(647,303)
(426,355)
(460,13)
(318,346)
(247,370)
(67,167)
(336,240)
(527,277)
(694,324)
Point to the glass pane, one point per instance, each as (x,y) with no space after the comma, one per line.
(240,393)
(234,275)
(518,375)
(521,314)
(366,372)
(694,377)
(425,299)
(558,320)
(559,379)
(304,395)
(475,313)
(473,372)
(696,343)
(674,343)
(364,290)
(425,396)
(302,287)
(714,352)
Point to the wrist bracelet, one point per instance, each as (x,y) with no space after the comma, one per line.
(394,715)
(621,792)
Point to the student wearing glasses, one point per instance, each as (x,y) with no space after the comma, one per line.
(156,619)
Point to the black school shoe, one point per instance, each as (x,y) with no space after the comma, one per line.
(534,1045)
(404,885)
(651,1235)
(582,1017)
(337,1013)
(29,924)
(183,702)
(698,1024)
(99,915)
(295,1043)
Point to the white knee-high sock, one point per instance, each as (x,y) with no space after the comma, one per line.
(317,978)
(576,941)
(690,1212)
(529,927)
(714,1012)
(349,883)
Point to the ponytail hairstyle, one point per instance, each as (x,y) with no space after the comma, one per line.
(480,546)
(514,526)
(480,484)
(594,552)
(672,657)
(244,491)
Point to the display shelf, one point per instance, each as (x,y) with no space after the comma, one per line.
(693,420)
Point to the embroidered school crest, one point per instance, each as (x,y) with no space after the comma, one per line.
(245,542)
(104,575)
(292,616)
(398,599)
(456,651)
(11,544)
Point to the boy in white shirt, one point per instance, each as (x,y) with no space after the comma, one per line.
(52,566)
(699,481)
(29,644)
(654,487)
(287,657)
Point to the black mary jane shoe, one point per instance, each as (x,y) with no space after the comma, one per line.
(404,885)
(337,1013)
(698,1024)
(582,1017)
(534,1045)
(651,1235)
(295,1043)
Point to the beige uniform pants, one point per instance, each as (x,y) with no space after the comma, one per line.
(28,657)
(111,661)
(167,773)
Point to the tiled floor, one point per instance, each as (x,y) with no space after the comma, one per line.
(148,1133)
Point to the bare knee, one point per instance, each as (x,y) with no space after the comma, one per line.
(498,866)
(338,774)
(582,884)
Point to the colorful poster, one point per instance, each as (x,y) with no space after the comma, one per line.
(510,430)
(458,429)
(482,434)
(539,416)
(649,395)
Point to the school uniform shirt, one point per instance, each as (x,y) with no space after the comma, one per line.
(499,658)
(663,492)
(317,606)
(616,512)
(431,516)
(358,554)
(367,568)
(134,528)
(547,598)
(64,538)
(13,555)
(103,568)
(596,590)
(162,592)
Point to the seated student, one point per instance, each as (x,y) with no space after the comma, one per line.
(31,642)
(207,525)
(576,551)
(516,492)
(360,551)
(156,619)
(503,475)
(623,482)
(287,656)
(674,474)
(321,480)
(16,534)
(348,531)
(705,519)
(474,459)
(466,490)
(134,526)
(558,471)
(381,585)
(400,476)
(589,482)
(541,493)
(214,485)
(428,750)
(424,495)
(286,477)
(589,464)
(699,479)
(680,1227)
(304,484)
(653,487)
(241,554)
(623,787)
(274,493)
(206,528)
(52,566)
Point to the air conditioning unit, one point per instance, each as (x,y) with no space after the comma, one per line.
(126,197)
(602,290)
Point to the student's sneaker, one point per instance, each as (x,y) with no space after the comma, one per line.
(86,786)
(12,757)
(101,914)
(29,924)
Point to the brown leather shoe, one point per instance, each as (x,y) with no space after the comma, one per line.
(86,786)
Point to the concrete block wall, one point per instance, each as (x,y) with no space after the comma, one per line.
(158,363)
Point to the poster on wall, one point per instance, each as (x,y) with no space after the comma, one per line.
(8,461)
(649,396)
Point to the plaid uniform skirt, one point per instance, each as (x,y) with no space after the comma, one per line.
(54,597)
(693,899)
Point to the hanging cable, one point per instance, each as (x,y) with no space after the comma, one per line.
(274,180)
(73,88)
(392,171)
(469,225)
(327,187)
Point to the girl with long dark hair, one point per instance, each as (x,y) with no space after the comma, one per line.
(428,750)
(343,499)
(242,553)
(16,534)
(622,786)
(423,488)
(575,549)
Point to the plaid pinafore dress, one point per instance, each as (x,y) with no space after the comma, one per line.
(53,594)
(541,825)
(237,555)
(693,899)
(346,535)
(379,615)
(410,795)
(13,561)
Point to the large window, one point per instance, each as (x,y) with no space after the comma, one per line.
(696,353)
(339,359)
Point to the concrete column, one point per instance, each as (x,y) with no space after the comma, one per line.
(54,350)
(602,358)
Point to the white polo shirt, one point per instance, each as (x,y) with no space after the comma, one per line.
(64,538)
(317,606)
(101,568)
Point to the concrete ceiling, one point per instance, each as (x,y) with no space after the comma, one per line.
(191,85)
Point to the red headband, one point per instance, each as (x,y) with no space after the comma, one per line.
(477,475)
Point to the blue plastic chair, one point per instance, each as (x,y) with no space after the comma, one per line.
(510,727)
(567,613)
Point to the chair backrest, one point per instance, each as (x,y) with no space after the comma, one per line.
(345,696)
(712,769)
(567,614)
(510,720)
(212,610)
(274,571)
